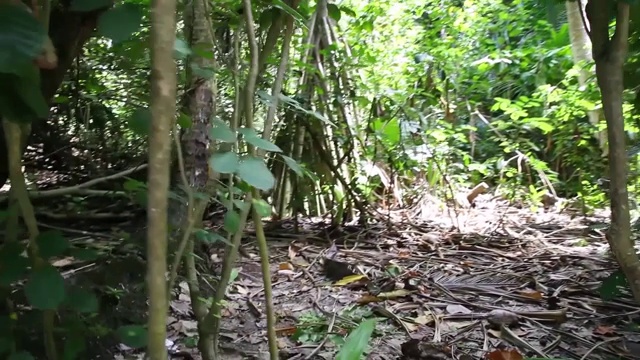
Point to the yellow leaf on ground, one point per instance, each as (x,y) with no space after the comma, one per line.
(350,279)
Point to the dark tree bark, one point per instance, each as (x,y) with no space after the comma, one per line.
(69,31)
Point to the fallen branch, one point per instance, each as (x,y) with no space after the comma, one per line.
(35,194)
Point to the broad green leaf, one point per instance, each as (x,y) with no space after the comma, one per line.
(611,286)
(209,237)
(140,122)
(29,92)
(240,204)
(82,301)
(84,254)
(133,185)
(45,288)
(21,37)
(120,22)
(181,49)
(357,341)
(74,344)
(134,336)
(232,221)
(203,50)
(256,173)
(184,121)
(262,207)
(292,164)
(89,5)
(289,10)
(224,163)
(13,265)
(51,243)
(21,355)
(262,144)
(222,132)
(334,12)
(348,11)
(6,343)
(203,72)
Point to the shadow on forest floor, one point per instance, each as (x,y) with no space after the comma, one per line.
(501,279)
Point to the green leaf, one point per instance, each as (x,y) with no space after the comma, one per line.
(120,22)
(184,121)
(6,343)
(203,72)
(254,171)
(232,221)
(21,355)
(357,341)
(132,185)
(12,270)
(82,301)
(134,336)
(262,207)
(13,264)
(45,288)
(29,92)
(222,132)
(262,143)
(224,163)
(209,237)
(181,49)
(289,10)
(89,5)
(140,121)
(51,243)
(84,254)
(74,344)
(21,37)
(348,11)
(334,12)
(611,286)
(293,165)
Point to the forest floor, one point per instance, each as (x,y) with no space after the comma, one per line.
(493,279)
(443,284)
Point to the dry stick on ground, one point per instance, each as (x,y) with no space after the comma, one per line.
(12,132)
(77,188)
(163,109)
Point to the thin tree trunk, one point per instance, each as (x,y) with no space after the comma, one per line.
(196,149)
(609,54)
(581,51)
(163,109)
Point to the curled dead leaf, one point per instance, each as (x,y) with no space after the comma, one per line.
(604,330)
(502,317)
(394,294)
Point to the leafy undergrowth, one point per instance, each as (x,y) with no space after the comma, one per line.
(493,282)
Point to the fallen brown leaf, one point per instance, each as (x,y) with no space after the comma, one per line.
(604,330)
(367,299)
(531,294)
(511,354)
